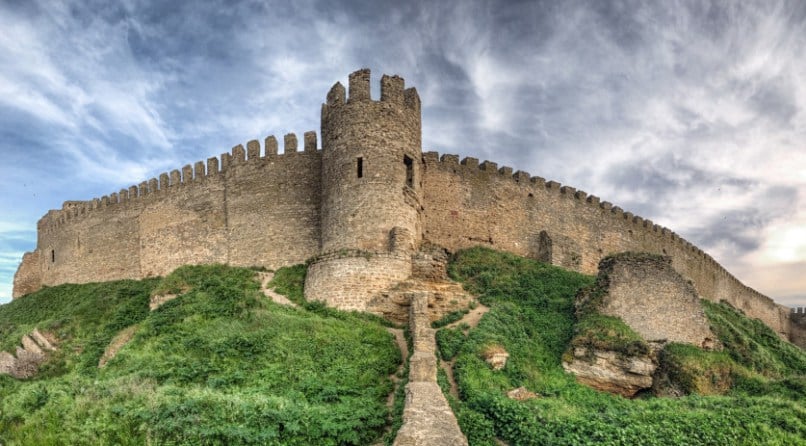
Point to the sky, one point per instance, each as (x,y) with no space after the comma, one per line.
(688,113)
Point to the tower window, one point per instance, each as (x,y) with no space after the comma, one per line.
(52,256)
(409,171)
(360,167)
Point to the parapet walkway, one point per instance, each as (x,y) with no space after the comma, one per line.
(427,418)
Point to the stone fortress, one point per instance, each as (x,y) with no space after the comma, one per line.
(365,211)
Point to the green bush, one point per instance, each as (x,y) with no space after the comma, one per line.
(450,318)
(449,341)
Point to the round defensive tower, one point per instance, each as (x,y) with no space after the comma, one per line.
(371,187)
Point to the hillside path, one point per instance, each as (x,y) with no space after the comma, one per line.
(265,278)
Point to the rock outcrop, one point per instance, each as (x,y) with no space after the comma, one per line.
(612,372)
(27,358)
(496,356)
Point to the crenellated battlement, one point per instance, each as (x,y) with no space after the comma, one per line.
(187,176)
(393,92)
(471,169)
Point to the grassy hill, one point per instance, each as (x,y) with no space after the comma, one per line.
(222,364)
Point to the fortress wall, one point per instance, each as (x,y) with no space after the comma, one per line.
(182,221)
(468,203)
(257,212)
(27,278)
(273,205)
(90,241)
(798,326)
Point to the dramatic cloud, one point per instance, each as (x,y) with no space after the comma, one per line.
(690,113)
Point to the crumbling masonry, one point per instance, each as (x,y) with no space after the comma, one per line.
(359,209)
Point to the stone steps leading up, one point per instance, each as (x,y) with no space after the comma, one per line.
(427,418)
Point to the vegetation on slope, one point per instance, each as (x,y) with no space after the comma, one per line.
(223,365)
(532,317)
(220,364)
(83,317)
(754,362)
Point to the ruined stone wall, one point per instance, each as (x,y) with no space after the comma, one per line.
(257,211)
(27,278)
(468,204)
(653,299)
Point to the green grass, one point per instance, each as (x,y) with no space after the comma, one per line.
(754,362)
(752,344)
(598,331)
(220,364)
(450,318)
(532,316)
(83,317)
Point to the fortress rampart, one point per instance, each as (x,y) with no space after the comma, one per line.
(357,209)
(470,203)
(245,208)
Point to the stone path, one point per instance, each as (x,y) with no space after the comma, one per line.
(427,418)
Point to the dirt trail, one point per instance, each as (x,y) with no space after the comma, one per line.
(265,278)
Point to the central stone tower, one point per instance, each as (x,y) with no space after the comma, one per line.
(371,212)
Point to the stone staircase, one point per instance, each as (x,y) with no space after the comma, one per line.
(429,275)
(427,418)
